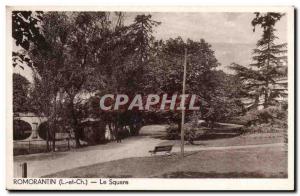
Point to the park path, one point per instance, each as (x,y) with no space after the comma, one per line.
(49,163)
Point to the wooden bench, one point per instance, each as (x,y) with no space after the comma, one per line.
(167,149)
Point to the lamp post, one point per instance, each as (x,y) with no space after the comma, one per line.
(183,110)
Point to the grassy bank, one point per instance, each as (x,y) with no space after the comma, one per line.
(244,163)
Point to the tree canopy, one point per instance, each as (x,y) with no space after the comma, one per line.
(77,57)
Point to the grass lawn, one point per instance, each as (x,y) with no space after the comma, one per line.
(240,140)
(244,163)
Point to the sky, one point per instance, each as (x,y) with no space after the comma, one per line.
(230,33)
(227,27)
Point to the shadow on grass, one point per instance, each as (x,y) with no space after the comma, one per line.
(190,154)
(212,174)
(215,136)
(40,156)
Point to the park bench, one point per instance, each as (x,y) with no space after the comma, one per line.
(167,149)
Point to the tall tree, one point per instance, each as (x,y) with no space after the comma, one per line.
(223,101)
(141,34)
(87,36)
(68,68)
(127,61)
(269,62)
(168,70)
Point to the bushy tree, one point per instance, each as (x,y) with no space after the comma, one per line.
(127,64)
(66,69)
(21,88)
(223,102)
(168,71)
(79,54)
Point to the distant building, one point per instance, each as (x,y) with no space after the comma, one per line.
(31,127)
(281,84)
(26,126)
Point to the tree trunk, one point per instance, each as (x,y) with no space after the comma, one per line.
(77,137)
(47,139)
(51,134)
(111,130)
(53,143)
(75,124)
(76,131)
(268,66)
(131,128)
(266,98)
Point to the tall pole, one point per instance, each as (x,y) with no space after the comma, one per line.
(183,110)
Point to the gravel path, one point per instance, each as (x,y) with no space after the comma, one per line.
(40,165)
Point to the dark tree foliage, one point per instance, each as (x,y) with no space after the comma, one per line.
(127,59)
(20,93)
(79,56)
(25,28)
(224,101)
(26,31)
(141,31)
(140,35)
(169,65)
(212,87)
(67,68)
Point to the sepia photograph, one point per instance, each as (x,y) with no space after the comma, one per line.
(109,99)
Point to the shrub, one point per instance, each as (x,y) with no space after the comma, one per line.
(124,132)
(272,119)
(268,115)
(173,132)
(93,132)
(190,134)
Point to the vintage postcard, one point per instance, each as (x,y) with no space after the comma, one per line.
(150,98)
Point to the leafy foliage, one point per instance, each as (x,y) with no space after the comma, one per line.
(25,28)
(21,90)
(79,56)
(26,31)
(269,120)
